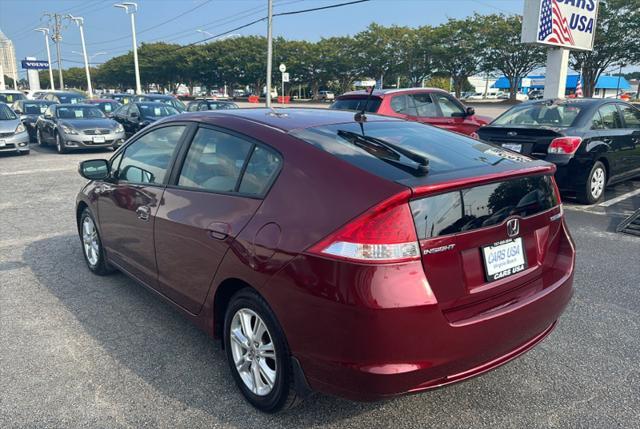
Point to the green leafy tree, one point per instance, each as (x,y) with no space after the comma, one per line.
(502,50)
(457,49)
(617,41)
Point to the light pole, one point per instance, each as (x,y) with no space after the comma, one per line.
(80,23)
(269,51)
(45,31)
(131,9)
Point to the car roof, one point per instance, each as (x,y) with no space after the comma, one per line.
(74,105)
(383,92)
(576,101)
(156,96)
(101,100)
(287,119)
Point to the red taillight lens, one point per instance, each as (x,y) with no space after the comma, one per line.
(386,233)
(565,145)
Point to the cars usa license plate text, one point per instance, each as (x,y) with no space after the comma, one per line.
(516,147)
(504,258)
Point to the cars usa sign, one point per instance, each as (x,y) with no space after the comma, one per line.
(564,23)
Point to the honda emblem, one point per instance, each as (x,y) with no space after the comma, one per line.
(513,227)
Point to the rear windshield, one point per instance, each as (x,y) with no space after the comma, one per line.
(445,151)
(551,115)
(357,104)
(70,99)
(482,206)
(35,108)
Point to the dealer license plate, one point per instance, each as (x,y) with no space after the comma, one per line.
(516,147)
(99,139)
(504,259)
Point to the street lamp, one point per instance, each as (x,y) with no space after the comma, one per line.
(91,57)
(45,31)
(131,9)
(80,23)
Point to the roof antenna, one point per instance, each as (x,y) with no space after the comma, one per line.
(361,116)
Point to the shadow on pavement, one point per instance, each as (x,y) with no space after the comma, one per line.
(149,337)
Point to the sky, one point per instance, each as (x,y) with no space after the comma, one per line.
(107,29)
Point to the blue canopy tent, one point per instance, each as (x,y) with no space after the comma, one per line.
(603,84)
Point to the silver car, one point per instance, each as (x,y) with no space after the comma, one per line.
(77,126)
(13,134)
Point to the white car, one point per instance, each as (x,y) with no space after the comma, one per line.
(326,96)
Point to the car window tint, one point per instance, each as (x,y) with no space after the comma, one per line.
(610,116)
(596,122)
(204,106)
(214,161)
(631,117)
(403,105)
(147,159)
(261,169)
(424,105)
(371,105)
(448,106)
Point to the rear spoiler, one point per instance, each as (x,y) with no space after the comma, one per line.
(548,169)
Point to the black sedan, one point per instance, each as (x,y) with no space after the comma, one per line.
(200,105)
(29,110)
(593,142)
(166,99)
(134,116)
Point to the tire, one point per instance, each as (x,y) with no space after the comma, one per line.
(39,138)
(60,144)
(281,395)
(92,249)
(593,190)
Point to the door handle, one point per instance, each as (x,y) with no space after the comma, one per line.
(219,230)
(143,212)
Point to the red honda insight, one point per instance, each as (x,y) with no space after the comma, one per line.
(360,256)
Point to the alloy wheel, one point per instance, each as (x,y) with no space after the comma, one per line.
(253,351)
(90,241)
(598,179)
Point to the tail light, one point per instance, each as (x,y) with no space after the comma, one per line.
(384,234)
(565,145)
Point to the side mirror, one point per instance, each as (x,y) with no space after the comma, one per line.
(470,111)
(94,169)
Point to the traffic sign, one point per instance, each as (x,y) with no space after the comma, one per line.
(285,77)
(282,68)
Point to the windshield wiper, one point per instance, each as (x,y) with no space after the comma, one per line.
(413,162)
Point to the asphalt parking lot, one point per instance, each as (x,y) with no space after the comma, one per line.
(78,350)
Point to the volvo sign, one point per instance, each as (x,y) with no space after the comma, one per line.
(35,64)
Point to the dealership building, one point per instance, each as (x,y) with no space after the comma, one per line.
(605,86)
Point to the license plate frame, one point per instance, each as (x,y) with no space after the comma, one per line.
(496,269)
(516,147)
(99,139)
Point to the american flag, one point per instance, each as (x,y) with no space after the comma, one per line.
(579,88)
(553,26)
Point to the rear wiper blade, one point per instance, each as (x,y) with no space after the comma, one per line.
(415,163)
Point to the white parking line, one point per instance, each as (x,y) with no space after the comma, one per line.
(44,170)
(622,197)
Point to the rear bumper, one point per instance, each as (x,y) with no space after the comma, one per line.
(388,336)
(571,173)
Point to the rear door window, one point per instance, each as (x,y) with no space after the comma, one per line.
(214,161)
(482,206)
(261,170)
(610,116)
(403,104)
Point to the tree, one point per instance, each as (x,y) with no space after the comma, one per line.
(457,50)
(502,50)
(617,41)
(379,50)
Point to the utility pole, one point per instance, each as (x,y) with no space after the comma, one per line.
(80,23)
(57,37)
(45,31)
(269,51)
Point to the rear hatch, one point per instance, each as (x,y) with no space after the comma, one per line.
(488,245)
(528,141)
